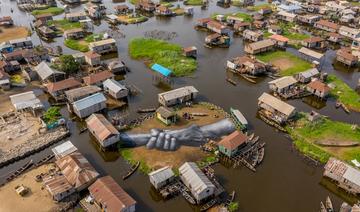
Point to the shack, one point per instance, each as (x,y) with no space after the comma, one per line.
(92,58)
(260,46)
(145,5)
(349,32)
(343,174)
(77,170)
(241,26)
(161,177)
(217,39)
(166,115)
(122,9)
(75,17)
(318,89)
(194,179)
(163,11)
(283,85)
(115,89)
(22,43)
(104,132)
(275,109)
(89,105)
(279,40)
(346,57)
(178,96)
(327,25)
(76,94)
(26,101)
(314,42)
(57,89)
(64,149)
(231,144)
(76,33)
(6,21)
(4,80)
(48,74)
(103,46)
(190,51)
(252,35)
(58,187)
(286,16)
(246,65)
(308,19)
(109,196)
(306,76)
(311,55)
(98,78)
(334,37)
(117,67)
(218,28)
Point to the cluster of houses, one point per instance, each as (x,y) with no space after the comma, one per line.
(75,174)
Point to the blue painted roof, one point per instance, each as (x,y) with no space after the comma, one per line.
(161,69)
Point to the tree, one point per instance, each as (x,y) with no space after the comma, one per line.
(68,64)
(52,114)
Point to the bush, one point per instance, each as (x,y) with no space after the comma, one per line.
(68,64)
(52,115)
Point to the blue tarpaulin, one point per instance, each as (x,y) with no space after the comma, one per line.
(161,69)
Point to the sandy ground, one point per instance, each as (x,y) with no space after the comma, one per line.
(36,200)
(12,33)
(182,123)
(282,63)
(17,129)
(156,159)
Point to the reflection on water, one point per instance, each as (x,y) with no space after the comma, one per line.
(314,101)
(331,186)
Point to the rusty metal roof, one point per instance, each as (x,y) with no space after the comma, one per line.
(108,192)
(101,127)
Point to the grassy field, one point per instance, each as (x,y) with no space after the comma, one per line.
(306,133)
(129,19)
(50,10)
(193,2)
(65,24)
(76,45)
(286,27)
(259,7)
(344,93)
(127,154)
(163,53)
(288,63)
(246,17)
(11,33)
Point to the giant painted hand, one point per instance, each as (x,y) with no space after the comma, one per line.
(172,139)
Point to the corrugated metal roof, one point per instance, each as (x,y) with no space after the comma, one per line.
(114,85)
(233,140)
(64,149)
(179,92)
(89,101)
(161,175)
(283,82)
(309,73)
(102,42)
(100,126)
(77,169)
(342,169)
(78,93)
(277,104)
(192,174)
(26,100)
(311,53)
(161,69)
(107,192)
(44,70)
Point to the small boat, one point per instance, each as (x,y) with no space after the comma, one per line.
(45,159)
(208,205)
(231,81)
(232,196)
(261,155)
(337,104)
(247,78)
(251,136)
(256,139)
(82,130)
(146,110)
(132,170)
(328,205)
(345,108)
(20,170)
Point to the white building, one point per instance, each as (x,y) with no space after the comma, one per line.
(178,96)
(115,89)
(89,105)
(161,177)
